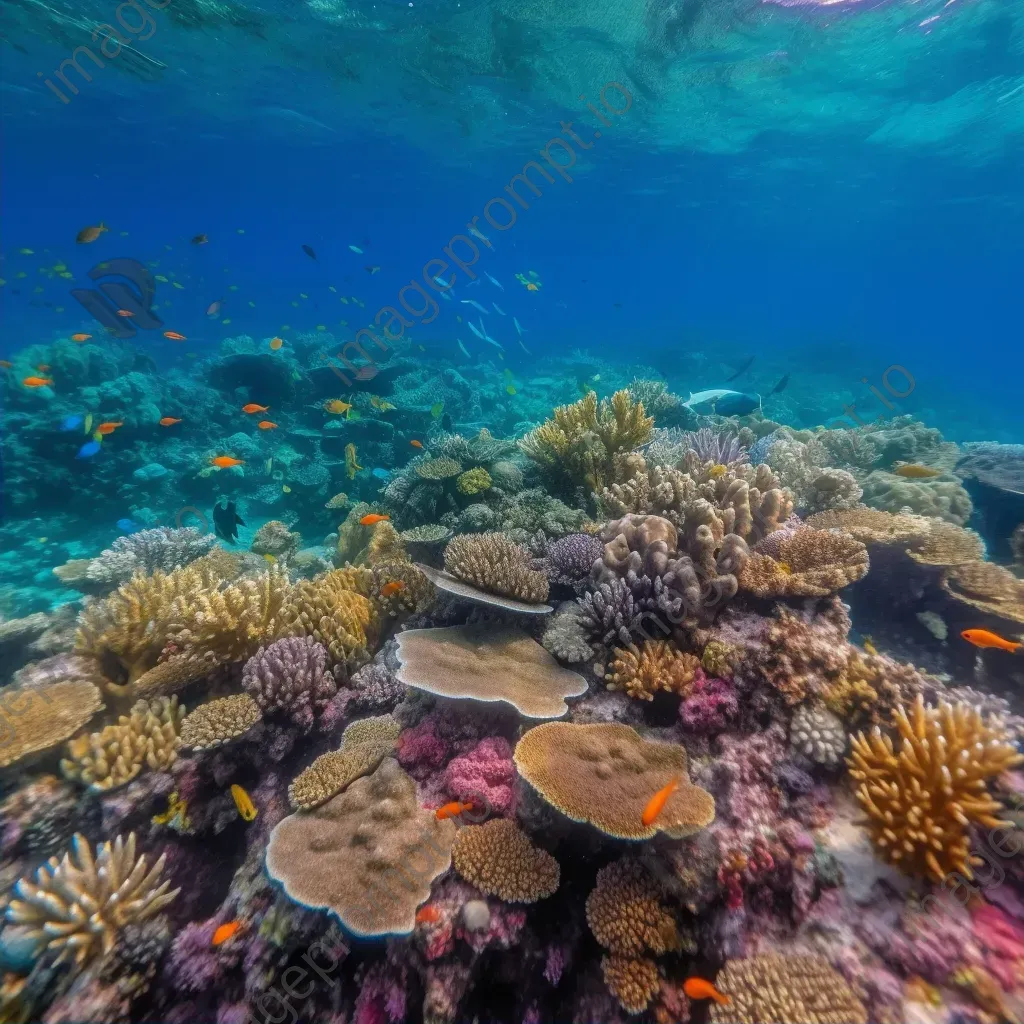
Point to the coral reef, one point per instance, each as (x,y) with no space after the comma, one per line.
(655,666)
(45,716)
(499,859)
(219,721)
(494,563)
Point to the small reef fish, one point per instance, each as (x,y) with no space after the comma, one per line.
(351,465)
(37,382)
(474,330)
(308,250)
(337,406)
(252,407)
(128,525)
(742,370)
(985,638)
(372,269)
(474,304)
(266,425)
(510,389)
(200,240)
(6,364)
(428,915)
(80,337)
(27,252)
(176,814)
(270,559)
(214,308)
(657,802)
(378,403)
(168,421)
(436,409)
(497,284)
(88,450)
(698,988)
(475,231)
(90,233)
(456,807)
(915,471)
(246,808)
(276,343)
(416,444)
(162,279)
(226,462)
(225,931)
(780,387)
(463,348)
(87,426)
(870,647)
(285,489)
(71,422)
(109,427)
(125,312)
(175,336)
(498,309)
(373,518)
(392,588)
(356,249)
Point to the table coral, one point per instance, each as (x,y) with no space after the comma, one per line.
(494,563)
(920,801)
(805,563)
(655,666)
(634,981)
(37,718)
(499,859)
(988,588)
(290,676)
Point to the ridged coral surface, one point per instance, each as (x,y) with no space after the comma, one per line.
(499,859)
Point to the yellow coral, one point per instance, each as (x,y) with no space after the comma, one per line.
(219,721)
(657,665)
(499,859)
(920,801)
(474,481)
(809,563)
(39,717)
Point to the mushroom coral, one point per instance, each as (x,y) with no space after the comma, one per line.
(487,663)
(499,859)
(368,854)
(605,774)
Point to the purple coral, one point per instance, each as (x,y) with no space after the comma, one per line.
(569,559)
(377,688)
(421,750)
(290,676)
(710,446)
(486,773)
(710,707)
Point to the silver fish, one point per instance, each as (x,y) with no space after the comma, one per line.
(498,309)
(518,328)
(463,347)
(474,230)
(474,330)
(494,281)
(474,304)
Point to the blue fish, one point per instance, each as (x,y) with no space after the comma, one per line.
(88,450)
(71,422)
(128,526)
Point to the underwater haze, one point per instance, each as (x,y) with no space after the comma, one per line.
(511,512)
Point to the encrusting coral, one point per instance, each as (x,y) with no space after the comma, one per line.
(499,859)
(78,905)
(920,801)
(655,666)
(804,563)
(350,855)
(149,737)
(219,721)
(40,717)
(496,564)
(605,774)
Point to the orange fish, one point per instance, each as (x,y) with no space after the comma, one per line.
(373,518)
(5,364)
(451,810)
(108,427)
(125,312)
(91,233)
(80,337)
(37,382)
(266,425)
(226,462)
(175,336)
(657,802)
(276,343)
(253,407)
(394,587)
(983,638)
(416,444)
(43,367)
(698,988)
(168,421)
(428,915)
(225,931)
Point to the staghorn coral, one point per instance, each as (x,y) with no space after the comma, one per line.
(148,737)
(219,721)
(36,718)
(437,469)
(805,563)
(579,443)
(920,801)
(77,906)
(290,676)
(494,563)
(364,744)
(785,988)
(610,614)
(818,734)
(605,774)
(626,914)
(473,481)
(352,854)
(487,663)
(942,498)
(988,587)
(634,981)
(655,666)
(499,859)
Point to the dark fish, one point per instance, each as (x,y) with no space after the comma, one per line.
(742,370)
(372,269)
(308,250)
(226,522)
(780,387)
(737,404)
(200,240)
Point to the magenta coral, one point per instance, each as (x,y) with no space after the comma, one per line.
(711,706)
(290,676)
(420,749)
(486,775)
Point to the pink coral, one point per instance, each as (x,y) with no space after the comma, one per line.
(487,775)
(420,749)
(381,998)
(1002,942)
(710,707)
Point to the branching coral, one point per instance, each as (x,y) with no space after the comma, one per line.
(569,560)
(785,988)
(495,564)
(920,801)
(634,981)
(78,906)
(39,717)
(805,563)
(565,636)
(655,666)
(364,744)
(219,721)
(148,737)
(580,442)
(499,859)
(290,676)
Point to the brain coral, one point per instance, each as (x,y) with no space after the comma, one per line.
(499,859)
(606,774)
(368,855)
(487,663)
(494,563)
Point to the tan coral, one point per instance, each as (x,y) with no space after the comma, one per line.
(606,774)
(364,744)
(807,563)
(657,665)
(921,800)
(939,498)
(36,718)
(785,988)
(987,587)
(368,855)
(496,564)
(78,905)
(438,469)
(385,545)
(634,981)
(219,721)
(499,859)
(626,914)
(413,593)
(148,737)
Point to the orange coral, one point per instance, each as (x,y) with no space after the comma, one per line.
(657,665)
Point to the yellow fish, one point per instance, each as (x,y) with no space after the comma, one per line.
(351,465)
(321,327)
(331,287)
(178,285)
(343,299)
(337,406)
(88,422)
(60,266)
(270,558)
(509,389)
(27,252)
(870,647)
(286,489)
(246,808)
